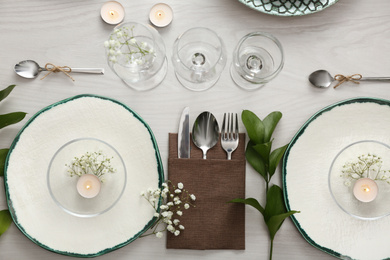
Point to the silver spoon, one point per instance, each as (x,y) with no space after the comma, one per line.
(205,132)
(323,79)
(30,69)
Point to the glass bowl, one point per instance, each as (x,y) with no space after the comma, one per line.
(351,160)
(63,186)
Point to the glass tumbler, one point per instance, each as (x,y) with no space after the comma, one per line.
(257,59)
(136,53)
(199,57)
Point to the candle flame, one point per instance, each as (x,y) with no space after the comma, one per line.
(366,188)
(113,14)
(88,186)
(160,15)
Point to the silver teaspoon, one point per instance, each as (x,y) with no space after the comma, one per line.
(30,69)
(323,79)
(205,132)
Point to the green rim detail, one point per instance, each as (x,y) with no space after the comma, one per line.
(290,146)
(107,250)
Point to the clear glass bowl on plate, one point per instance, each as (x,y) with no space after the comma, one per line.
(372,158)
(63,187)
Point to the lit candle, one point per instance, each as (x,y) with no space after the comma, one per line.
(161,15)
(365,190)
(88,186)
(112,12)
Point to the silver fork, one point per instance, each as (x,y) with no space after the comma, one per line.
(229,139)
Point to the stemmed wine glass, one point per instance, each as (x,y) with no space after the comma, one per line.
(257,59)
(136,53)
(199,57)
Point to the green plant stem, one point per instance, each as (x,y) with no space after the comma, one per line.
(271,249)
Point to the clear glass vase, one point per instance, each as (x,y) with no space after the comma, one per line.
(136,53)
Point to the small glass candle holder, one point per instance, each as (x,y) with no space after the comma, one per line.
(72,192)
(136,53)
(359,179)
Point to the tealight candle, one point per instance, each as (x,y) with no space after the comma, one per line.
(112,12)
(365,189)
(88,186)
(161,15)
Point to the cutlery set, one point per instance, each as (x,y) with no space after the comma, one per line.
(205,133)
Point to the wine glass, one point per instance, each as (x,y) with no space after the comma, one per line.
(199,57)
(257,59)
(136,53)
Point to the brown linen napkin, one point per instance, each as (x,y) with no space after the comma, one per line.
(213,223)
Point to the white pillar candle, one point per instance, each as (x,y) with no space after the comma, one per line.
(112,12)
(88,186)
(161,15)
(365,190)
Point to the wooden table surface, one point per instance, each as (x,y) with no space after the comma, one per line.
(352,36)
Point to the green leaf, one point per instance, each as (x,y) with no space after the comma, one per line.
(254,126)
(5,92)
(255,160)
(275,222)
(275,158)
(275,210)
(251,202)
(5,221)
(275,203)
(270,123)
(3,156)
(264,151)
(11,118)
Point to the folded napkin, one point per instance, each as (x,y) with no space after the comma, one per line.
(212,223)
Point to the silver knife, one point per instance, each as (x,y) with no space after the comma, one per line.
(183,136)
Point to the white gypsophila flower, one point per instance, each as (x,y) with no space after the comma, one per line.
(143,45)
(177,191)
(164,207)
(112,58)
(142,193)
(159,234)
(180,185)
(178,202)
(186,206)
(170,228)
(156,215)
(106,44)
(170,204)
(176,221)
(118,52)
(165,185)
(177,232)
(133,40)
(179,212)
(112,52)
(171,195)
(181,227)
(112,43)
(192,196)
(151,50)
(347,183)
(119,34)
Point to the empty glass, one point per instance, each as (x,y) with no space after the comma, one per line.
(199,57)
(257,59)
(136,53)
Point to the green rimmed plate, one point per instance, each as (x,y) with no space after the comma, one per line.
(34,211)
(288,7)
(306,167)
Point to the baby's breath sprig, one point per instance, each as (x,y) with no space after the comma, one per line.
(366,166)
(122,42)
(95,163)
(174,201)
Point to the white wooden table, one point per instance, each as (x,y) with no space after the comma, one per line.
(350,37)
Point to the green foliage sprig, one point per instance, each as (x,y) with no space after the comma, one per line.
(260,156)
(6,120)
